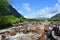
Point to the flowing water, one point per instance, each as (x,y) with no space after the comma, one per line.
(21,36)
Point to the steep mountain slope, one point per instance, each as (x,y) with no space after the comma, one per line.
(56,16)
(10,11)
(14,12)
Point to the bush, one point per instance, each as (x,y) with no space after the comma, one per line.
(7,21)
(12,19)
(21,19)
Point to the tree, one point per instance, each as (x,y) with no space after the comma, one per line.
(21,19)
(12,19)
(6,21)
(3,7)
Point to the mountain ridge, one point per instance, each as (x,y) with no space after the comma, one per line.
(56,16)
(14,12)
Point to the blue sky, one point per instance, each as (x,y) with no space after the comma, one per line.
(36,8)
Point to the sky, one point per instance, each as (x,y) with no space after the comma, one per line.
(36,8)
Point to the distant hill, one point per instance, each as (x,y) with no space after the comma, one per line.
(56,16)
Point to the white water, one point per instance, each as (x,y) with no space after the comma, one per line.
(0,37)
(22,37)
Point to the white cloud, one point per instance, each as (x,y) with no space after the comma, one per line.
(26,7)
(49,12)
(45,12)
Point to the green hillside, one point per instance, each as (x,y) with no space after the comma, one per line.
(55,18)
(8,15)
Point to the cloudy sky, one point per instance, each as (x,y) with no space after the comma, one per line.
(36,8)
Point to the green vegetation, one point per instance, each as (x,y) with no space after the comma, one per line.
(54,19)
(3,7)
(21,19)
(37,20)
(7,20)
(12,19)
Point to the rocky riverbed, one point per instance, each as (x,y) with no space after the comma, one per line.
(26,31)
